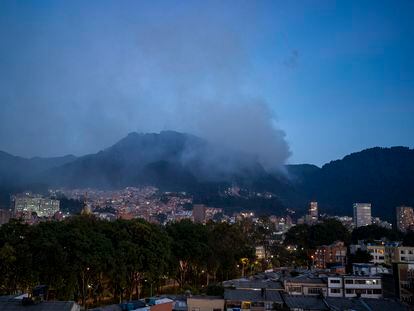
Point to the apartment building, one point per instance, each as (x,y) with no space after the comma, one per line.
(354,286)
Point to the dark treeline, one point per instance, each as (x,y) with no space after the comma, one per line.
(92,261)
(325,233)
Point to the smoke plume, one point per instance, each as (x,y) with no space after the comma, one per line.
(76,78)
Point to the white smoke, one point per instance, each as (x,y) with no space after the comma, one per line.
(76,83)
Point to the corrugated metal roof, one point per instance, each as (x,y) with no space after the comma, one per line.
(267,283)
(16,305)
(304,302)
(384,305)
(339,304)
(252,295)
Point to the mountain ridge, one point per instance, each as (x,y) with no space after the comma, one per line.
(182,162)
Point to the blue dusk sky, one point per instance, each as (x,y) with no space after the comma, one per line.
(293,81)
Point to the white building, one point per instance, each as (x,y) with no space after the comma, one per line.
(394,254)
(354,286)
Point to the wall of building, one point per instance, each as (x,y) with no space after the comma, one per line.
(200,304)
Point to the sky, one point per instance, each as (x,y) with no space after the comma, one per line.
(294,82)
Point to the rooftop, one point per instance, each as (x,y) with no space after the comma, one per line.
(254,283)
(10,303)
(364,304)
(252,295)
(308,279)
(205,297)
(304,302)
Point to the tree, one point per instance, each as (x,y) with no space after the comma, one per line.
(327,232)
(374,232)
(189,249)
(359,257)
(227,245)
(7,265)
(298,235)
(409,239)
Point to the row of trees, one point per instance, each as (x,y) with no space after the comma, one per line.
(89,260)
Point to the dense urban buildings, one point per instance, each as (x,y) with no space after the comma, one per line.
(362,214)
(27,203)
(405,218)
(301,273)
(328,255)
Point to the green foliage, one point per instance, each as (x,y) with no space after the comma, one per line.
(298,235)
(374,232)
(89,260)
(215,290)
(360,256)
(70,206)
(409,239)
(325,233)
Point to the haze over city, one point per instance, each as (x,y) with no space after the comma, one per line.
(305,82)
(206,155)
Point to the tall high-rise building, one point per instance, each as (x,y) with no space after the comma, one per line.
(405,218)
(313,211)
(362,214)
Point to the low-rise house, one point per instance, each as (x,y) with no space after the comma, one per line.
(307,285)
(159,304)
(368,269)
(251,299)
(399,254)
(148,304)
(257,282)
(260,292)
(18,303)
(304,303)
(205,303)
(377,252)
(358,304)
(355,286)
(327,255)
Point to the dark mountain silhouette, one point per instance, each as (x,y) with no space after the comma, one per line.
(382,176)
(168,160)
(17,170)
(19,174)
(175,161)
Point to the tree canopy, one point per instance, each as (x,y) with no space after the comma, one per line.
(90,260)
